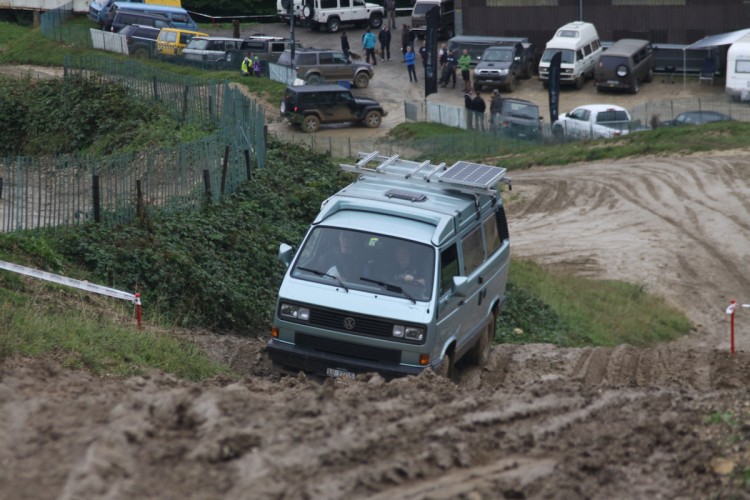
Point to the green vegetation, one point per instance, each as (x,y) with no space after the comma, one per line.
(450,144)
(557,307)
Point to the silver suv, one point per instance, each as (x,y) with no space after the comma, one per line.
(316,66)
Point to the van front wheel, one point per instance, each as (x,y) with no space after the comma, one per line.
(480,353)
(446,367)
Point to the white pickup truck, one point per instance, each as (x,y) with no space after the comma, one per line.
(594,121)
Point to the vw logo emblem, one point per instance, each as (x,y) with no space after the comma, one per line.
(349,323)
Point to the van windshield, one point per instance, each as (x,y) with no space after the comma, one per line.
(568,56)
(367,261)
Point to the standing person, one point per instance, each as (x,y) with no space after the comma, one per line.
(409,57)
(390,7)
(442,54)
(449,72)
(345,48)
(478,106)
(385,43)
(496,106)
(469,108)
(464,64)
(368,44)
(247,64)
(423,53)
(257,67)
(405,39)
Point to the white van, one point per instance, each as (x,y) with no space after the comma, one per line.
(401,271)
(738,69)
(580,47)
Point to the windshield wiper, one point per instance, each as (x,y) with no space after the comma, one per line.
(390,287)
(323,275)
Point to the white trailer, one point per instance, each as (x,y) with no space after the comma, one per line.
(738,69)
(79,6)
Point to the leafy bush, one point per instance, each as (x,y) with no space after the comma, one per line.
(40,117)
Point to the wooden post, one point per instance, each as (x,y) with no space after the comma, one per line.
(247,168)
(224,165)
(185,103)
(155,85)
(96,198)
(207,185)
(138,200)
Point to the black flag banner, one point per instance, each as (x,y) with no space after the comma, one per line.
(554,86)
(431,69)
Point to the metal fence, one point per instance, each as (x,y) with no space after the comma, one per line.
(65,190)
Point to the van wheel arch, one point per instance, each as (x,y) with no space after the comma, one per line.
(446,368)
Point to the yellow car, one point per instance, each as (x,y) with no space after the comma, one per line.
(171,41)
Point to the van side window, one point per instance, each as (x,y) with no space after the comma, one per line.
(492,234)
(448,268)
(473,250)
(329,4)
(179,18)
(596,44)
(344,3)
(185,38)
(579,55)
(277,47)
(587,50)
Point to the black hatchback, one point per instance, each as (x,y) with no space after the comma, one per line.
(311,105)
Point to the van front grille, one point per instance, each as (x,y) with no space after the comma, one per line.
(349,323)
(347,349)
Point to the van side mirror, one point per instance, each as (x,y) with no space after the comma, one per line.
(460,286)
(285,254)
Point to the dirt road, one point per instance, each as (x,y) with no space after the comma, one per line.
(537,422)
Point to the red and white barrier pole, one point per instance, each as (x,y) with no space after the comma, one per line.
(138,310)
(731,310)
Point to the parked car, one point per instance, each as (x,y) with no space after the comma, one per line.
(476,45)
(317,66)
(625,65)
(446,20)
(125,18)
(141,40)
(518,119)
(171,41)
(332,14)
(311,105)
(594,121)
(503,64)
(696,118)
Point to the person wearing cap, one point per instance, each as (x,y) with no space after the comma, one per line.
(496,104)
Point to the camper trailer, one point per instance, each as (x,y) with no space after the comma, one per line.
(738,69)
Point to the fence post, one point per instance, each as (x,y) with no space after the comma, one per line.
(1,188)
(207,186)
(247,164)
(224,169)
(265,144)
(185,102)
(96,199)
(138,200)
(155,85)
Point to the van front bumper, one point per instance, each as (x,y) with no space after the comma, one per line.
(314,361)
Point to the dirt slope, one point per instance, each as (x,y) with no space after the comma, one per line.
(538,421)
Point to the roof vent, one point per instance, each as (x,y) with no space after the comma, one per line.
(406,195)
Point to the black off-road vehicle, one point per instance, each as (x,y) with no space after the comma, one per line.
(311,105)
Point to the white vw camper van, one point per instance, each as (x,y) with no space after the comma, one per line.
(403,270)
(580,47)
(738,69)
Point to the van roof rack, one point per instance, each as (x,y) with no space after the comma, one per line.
(463,176)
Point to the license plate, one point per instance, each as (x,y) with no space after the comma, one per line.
(613,82)
(339,373)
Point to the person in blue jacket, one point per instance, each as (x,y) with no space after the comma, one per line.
(368,44)
(409,58)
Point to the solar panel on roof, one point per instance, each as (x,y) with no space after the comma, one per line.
(464,173)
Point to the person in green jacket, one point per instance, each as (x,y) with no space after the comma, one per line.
(464,63)
(247,65)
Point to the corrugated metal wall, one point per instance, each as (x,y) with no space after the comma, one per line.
(661,21)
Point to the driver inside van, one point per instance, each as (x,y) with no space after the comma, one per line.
(346,257)
(407,271)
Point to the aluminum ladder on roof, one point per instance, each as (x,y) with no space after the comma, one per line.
(463,176)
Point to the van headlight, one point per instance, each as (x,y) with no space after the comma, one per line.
(415,333)
(294,312)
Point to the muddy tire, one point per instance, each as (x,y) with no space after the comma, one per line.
(310,124)
(314,80)
(510,85)
(580,81)
(445,369)
(480,353)
(372,119)
(361,80)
